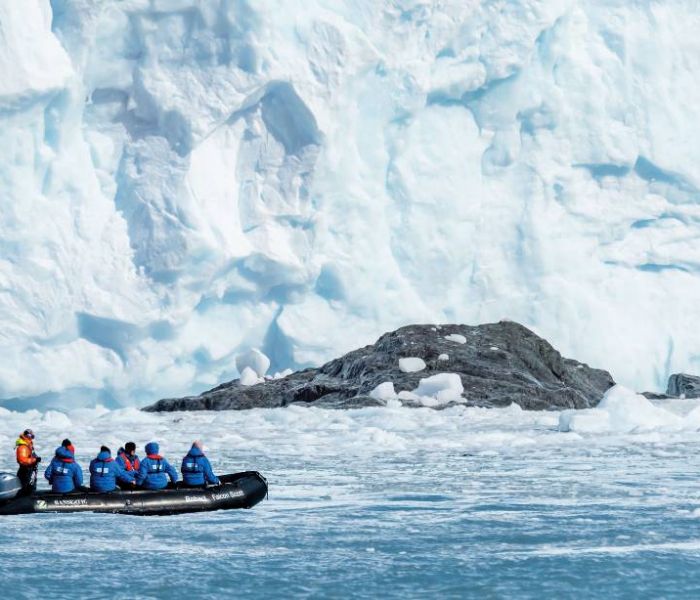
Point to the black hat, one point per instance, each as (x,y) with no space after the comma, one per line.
(66,443)
(130,447)
(105,449)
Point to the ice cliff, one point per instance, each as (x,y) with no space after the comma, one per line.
(183,180)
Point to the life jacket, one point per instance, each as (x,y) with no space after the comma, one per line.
(129,465)
(25,452)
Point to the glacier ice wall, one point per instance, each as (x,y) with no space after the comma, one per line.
(186,179)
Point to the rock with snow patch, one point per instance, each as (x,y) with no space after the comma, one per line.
(498,364)
(682,384)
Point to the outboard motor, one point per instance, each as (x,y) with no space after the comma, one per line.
(10,486)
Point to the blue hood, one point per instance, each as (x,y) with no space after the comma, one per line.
(62,452)
(194,451)
(104,456)
(152,448)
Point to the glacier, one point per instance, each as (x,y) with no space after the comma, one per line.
(185,180)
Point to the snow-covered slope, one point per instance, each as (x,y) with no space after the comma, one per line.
(186,179)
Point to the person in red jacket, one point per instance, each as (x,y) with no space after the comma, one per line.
(129,462)
(127,459)
(27,460)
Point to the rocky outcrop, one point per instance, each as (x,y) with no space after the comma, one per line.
(498,364)
(681,384)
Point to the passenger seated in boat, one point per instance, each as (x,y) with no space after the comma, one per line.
(196,469)
(105,472)
(64,474)
(127,459)
(153,470)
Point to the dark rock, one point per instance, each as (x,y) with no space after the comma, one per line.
(655,396)
(681,384)
(500,363)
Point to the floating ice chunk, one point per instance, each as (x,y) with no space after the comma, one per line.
(429,401)
(384,391)
(411,365)
(590,421)
(456,337)
(255,360)
(444,357)
(406,395)
(249,377)
(622,410)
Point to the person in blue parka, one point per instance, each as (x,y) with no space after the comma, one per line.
(153,470)
(105,472)
(196,469)
(64,474)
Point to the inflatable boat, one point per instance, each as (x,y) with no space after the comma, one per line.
(239,490)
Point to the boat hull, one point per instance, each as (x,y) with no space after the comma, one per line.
(238,490)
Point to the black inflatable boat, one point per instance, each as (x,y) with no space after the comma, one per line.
(239,490)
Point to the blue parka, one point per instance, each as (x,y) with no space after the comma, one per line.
(105,471)
(64,474)
(196,468)
(153,469)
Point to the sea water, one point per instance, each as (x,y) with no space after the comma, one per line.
(380,503)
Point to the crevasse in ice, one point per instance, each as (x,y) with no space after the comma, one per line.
(183,181)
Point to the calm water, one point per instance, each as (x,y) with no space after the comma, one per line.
(382,503)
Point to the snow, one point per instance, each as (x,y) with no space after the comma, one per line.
(440,389)
(411,364)
(433,391)
(444,357)
(384,391)
(457,338)
(255,360)
(250,377)
(183,181)
(282,374)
